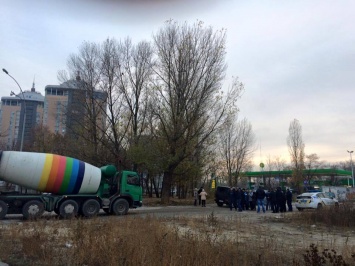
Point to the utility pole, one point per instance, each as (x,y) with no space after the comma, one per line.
(24,105)
(352,167)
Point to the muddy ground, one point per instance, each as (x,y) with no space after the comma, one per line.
(282,230)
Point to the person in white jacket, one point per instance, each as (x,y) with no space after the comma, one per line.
(203,195)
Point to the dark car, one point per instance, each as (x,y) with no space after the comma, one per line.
(222,195)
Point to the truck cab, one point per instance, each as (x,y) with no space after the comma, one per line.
(124,187)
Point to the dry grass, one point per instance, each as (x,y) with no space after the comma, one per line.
(114,241)
(207,240)
(202,240)
(342,216)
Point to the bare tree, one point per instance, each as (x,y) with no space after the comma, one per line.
(346,165)
(85,105)
(280,165)
(189,102)
(312,163)
(115,77)
(127,75)
(244,146)
(342,165)
(270,166)
(134,85)
(237,146)
(296,150)
(110,80)
(227,149)
(213,163)
(93,107)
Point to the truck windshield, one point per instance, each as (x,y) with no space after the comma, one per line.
(133,180)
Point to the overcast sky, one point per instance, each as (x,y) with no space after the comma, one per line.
(296,58)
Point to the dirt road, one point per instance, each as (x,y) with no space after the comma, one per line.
(280,227)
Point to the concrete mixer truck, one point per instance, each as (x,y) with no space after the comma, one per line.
(65,185)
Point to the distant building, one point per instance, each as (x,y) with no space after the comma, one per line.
(67,106)
(64,110)
(16,108)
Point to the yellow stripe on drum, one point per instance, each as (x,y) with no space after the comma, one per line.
(45,172)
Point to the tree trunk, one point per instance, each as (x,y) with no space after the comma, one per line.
(147,185)
(167,181)
(156,190)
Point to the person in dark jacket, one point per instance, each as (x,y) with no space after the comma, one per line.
(283,204)
(250,195)
(289,200)
(260,196)
(239,195)
(246,198)
(279,199)
(273,200)
(199,196)
(268,201)
(242,202)
(232,199)
(253,201)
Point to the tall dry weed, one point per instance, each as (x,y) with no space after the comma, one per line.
(142,241)
(341,216)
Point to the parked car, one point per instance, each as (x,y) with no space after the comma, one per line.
(222,195)
(330,195)
(315,200)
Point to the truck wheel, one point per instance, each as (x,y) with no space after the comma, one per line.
(120,207)
(90,208)
(68,209)
(3,209)
(33,209)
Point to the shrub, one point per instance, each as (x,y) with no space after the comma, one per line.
(342,216)
(312,257)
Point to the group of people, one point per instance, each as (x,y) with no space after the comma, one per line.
(275,200)
(279,199)
(242,199)
(239,199)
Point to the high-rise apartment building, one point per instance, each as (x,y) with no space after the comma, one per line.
(67,105)
(63,109)
(20,113)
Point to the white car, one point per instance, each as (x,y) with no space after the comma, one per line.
(315,200)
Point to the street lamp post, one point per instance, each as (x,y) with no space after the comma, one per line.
(24,105)
(352,167)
